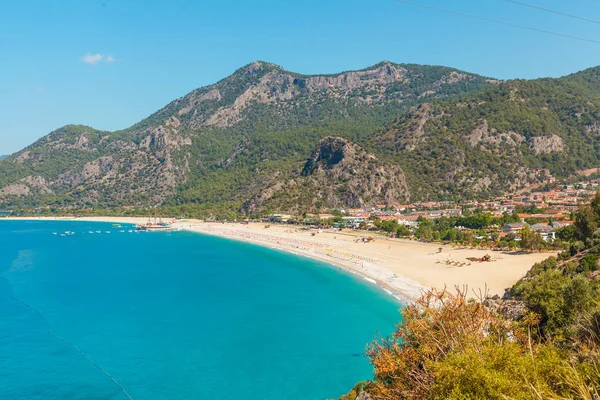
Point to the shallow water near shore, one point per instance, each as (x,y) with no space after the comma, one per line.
(177,315)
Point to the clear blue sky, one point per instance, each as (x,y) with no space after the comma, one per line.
(143,54)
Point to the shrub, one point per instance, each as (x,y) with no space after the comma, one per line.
(556,298)
(500,371)
(403,231)
(448,347)
(548,264)
(588,263)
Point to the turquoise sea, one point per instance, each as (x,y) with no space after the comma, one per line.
(178,315)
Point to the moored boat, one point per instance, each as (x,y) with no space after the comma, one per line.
(156,225)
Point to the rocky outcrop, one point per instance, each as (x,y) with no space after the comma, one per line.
(197,98)
(410,131)
(38,183)
(17,189)
(478,134)
(338,174)
(22,157)
(384,74)
(546,144)
(329,154)
(279,85)
(489,139)
(91,170)
(271,84)
(103,167)
(345,175)
(593,129)
(512,309)
(80,142)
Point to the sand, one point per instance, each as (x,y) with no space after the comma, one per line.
(403,268)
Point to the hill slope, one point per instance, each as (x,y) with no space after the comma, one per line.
(220,145)
(245,143)
(338,174)
(499,140)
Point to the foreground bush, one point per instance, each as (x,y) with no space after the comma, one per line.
(448,347)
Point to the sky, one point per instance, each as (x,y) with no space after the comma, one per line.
(110,63)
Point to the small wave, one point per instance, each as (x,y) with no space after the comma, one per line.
(370,280)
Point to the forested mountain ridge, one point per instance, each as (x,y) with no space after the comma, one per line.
(220,145)
(243,144)
(496,141)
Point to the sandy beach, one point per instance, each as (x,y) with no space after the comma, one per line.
(402,267)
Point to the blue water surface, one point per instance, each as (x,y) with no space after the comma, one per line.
(176,315)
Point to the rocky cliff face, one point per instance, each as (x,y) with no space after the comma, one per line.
(346,175)
(96,167)
(547,144)
(225,103)
(339,174)
(497,141)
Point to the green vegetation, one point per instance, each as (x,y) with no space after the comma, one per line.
(448,347)
(485,144)
(455,135)
(454,139)
(226,165)
(547,347)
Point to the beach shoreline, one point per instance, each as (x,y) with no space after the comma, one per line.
(402,268)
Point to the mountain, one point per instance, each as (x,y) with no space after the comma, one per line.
(3,157)
(338,174)
(502,139)
(265,139)
(222,145)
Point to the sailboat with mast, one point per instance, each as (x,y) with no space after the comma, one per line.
(154,224)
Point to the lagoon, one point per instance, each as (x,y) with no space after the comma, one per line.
(176,315)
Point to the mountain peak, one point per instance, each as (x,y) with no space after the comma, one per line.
(258,65)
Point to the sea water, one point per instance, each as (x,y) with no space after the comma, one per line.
(176,315)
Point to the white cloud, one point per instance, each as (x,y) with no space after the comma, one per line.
(94,59)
